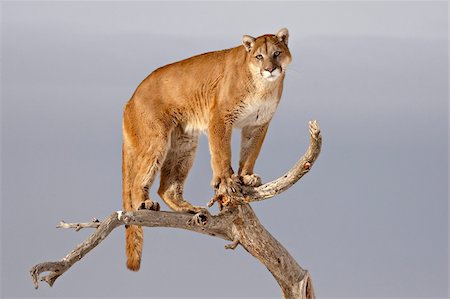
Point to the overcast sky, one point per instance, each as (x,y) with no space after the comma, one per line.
(369,220)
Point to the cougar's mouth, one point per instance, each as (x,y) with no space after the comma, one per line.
(271,76)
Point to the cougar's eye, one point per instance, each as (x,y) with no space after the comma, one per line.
(259,57)
(276,54)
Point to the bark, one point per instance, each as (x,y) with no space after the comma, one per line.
(236,223)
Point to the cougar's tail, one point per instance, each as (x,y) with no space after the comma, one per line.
(134,240)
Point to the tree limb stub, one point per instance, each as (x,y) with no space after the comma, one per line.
(236,222)
(95,223)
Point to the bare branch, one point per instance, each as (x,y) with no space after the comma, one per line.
(236,222)
(210,225)
(56,269)
(77,226)
(302,167)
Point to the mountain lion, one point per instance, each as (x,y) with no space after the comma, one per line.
(213,93)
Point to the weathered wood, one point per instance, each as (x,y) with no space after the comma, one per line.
(56,269)
(236,222)
(77,226)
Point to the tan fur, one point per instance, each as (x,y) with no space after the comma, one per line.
(213,92)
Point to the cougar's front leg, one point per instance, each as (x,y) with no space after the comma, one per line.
(252,138)
(219,137)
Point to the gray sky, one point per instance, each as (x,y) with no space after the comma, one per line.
(369,220)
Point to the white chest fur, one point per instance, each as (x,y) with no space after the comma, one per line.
(256,112)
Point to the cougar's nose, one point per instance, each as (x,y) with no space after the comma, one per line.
(270,69)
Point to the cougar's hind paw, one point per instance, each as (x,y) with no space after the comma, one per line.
(149,205)
(200,218)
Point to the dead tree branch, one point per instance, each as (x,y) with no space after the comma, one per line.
(77,226)
(236,223)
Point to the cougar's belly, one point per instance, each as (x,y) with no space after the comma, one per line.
(196,122)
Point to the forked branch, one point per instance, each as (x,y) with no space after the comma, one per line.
(236,223)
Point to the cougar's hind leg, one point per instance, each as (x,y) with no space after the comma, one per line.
(146,166)
(146,138)
(175,169)
(127,165)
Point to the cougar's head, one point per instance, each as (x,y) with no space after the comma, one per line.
(268,55)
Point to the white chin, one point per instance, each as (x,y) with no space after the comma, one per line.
(271,78)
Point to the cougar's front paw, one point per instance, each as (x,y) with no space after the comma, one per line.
(227,185)
(149,205)
(252,180)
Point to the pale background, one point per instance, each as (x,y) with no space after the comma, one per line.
(369,220)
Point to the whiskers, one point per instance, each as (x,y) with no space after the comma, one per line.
(294,72)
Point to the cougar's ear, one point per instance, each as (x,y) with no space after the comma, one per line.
(248,42)
(283,35)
